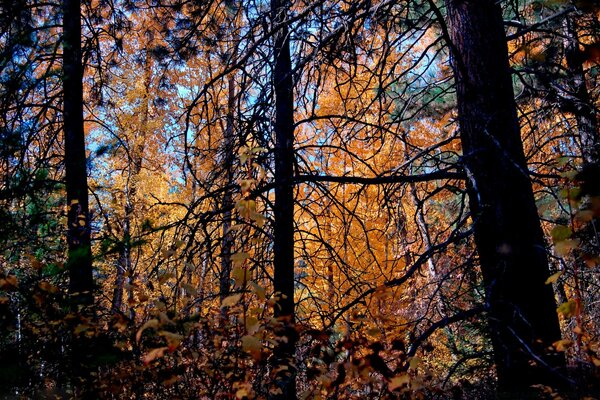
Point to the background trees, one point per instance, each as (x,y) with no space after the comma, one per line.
(278,197)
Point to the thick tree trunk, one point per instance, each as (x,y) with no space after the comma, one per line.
(78,231)
(522,310)
(283,246)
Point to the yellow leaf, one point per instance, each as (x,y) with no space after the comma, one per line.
(231,300)
(252,325)
(554,277)
(81,328)
(374,332)
(564,247)
(258,218)
(48,287)
(239,258)
(173,339)
(154,354)
(562,345)
(259,290)
(398,381)
(567,309)
(240,276)
(414,362)
(258,150)
(241,393)
(153,323)
(246,185)
(251,343)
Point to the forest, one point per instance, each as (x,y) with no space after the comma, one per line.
(308,199)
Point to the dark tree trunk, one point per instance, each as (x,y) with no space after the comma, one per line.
(78,231)
(283,246)
(522,310)
(227,202)
(585,112)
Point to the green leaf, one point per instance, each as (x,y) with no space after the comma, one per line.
(567,309)
(561,232)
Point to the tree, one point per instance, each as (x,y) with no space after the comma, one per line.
(79,262)
(509,239)
(283,209)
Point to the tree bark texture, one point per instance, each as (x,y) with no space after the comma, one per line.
(78,219)
(521,309)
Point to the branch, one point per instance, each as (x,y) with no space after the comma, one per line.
(523,29)
(440,324)
(378,180)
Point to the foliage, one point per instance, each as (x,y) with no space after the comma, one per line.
(179,109)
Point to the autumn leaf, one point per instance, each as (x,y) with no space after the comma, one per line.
(153,323)
(173,339)
(252,325)
(260,291)
(561,232)
(398,381)
(564,247)
(154,354)
(414,362)
(562,345)
(568,308)
(238,258)
(554,277)
(231,300)
(251,343)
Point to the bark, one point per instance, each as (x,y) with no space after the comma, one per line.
(227,202)
(79,261)
(283,209)
(584,110)
(521,308)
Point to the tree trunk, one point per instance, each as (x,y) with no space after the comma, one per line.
(229,157)
(79,261)
(585,112)
(521,308)
(283,209)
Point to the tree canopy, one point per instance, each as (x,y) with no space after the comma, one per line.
(329,199)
